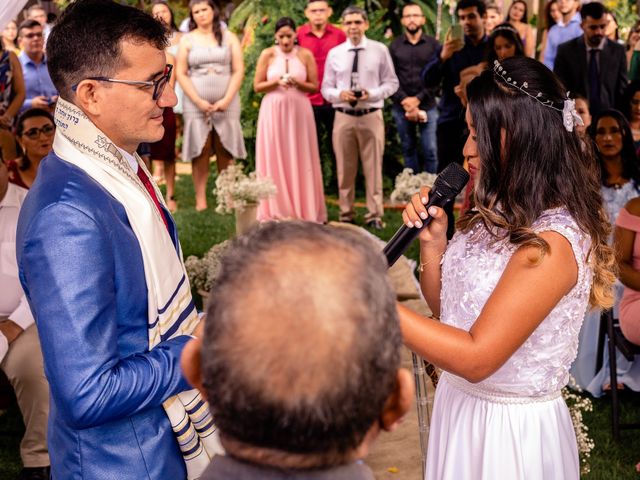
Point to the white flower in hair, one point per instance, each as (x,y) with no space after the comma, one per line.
(570,117)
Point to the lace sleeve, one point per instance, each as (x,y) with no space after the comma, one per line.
(560,221)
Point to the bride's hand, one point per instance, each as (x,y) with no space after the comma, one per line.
(415,213)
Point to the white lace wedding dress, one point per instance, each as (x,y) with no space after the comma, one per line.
(515,424)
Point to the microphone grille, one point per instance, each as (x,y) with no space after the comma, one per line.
(451,180)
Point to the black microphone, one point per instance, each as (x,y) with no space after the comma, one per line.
(449,183)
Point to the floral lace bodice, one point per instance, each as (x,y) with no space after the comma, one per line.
(471,268)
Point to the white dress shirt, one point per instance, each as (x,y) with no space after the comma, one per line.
(13,302)
(376,74)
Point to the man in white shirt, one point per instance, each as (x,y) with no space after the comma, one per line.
(358,76)
(20,355)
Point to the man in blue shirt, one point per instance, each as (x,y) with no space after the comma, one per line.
(39,88)
(568,29)
(453,57)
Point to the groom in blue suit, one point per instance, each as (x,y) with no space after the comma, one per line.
(87,255)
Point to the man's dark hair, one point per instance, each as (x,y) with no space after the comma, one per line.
(302,341)
(28,24)
(479,4)
(410,4)
(595,10)
(87,40)
(353,9)
(313,1)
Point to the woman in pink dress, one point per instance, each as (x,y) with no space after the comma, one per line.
(286,143)
(628,254)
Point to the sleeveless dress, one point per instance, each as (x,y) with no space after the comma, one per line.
(630,303)
(584,367)
(514,424)
(287,147)
(210,73)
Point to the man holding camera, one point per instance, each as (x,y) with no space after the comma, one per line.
(358,76)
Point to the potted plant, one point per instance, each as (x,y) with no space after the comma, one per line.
(239,193)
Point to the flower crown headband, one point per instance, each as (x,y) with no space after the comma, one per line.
(570,117)
(504,28)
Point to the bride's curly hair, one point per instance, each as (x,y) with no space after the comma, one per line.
(530,163)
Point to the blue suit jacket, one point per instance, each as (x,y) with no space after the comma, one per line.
(81,268)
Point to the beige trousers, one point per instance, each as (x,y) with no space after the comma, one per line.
(24,368)
(353,138)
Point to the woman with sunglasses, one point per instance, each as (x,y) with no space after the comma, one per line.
(210,70)
(34,132)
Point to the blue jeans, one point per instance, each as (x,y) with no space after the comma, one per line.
(427,160)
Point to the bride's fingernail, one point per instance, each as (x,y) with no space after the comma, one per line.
(424,200)
(423,215)
(409,224)
(433,211)
(418,224)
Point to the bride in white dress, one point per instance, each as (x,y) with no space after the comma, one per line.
(513,284)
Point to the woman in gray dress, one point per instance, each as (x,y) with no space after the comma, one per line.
(210,71)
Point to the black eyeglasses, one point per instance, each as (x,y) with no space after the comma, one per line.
(33,35)
(158,85)
(34,133)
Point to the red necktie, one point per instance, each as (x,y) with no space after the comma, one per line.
(147,184)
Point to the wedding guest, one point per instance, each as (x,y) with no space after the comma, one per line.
(300,426)
(12,94)
(39,14)
(414,105)
(552,15)
(582,109)
(10,37)
(454,56)
(163,153)
(596,59)
(40,91)
(210,70)
(628,256)
(568,28)
(620,182)
(359,76)
(611,32)
(506,350)
(632,111)
(20,354)
(493,18)
(517,16)
(630,46)
(34,130)
(286,141)
(320,36)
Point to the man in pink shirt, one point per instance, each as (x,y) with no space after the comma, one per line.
(319,36)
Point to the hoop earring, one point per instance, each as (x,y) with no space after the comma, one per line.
(276,42)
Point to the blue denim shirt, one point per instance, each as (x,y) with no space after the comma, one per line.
(558,34)
(36,80)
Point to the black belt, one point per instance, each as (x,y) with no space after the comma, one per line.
(356,113)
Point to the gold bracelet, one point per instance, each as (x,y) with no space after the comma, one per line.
(422,265)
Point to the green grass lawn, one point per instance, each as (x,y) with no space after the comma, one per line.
(200,230)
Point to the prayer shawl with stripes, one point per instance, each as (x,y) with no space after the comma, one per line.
(170,307)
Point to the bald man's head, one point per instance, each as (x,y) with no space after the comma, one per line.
(301,344)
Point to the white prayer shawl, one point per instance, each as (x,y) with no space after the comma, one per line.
(171,311)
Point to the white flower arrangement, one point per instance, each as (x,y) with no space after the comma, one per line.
(235,189)
(202,272)
(577,405)
(406,184)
